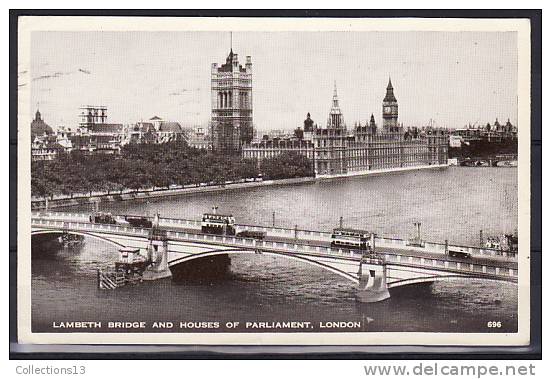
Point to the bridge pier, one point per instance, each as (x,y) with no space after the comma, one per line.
(372,287)
(157,251)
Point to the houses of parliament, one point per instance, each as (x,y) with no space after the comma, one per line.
(334,148)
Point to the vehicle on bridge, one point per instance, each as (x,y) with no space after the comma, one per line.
(459,252)
(350,238)
(139,221)
(214,223)
(102,218)
(259,235)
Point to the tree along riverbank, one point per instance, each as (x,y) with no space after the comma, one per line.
(153,167)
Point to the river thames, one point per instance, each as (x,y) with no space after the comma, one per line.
(451,204)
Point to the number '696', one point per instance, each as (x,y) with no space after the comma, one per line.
(494,324)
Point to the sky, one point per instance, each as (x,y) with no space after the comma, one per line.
(453,78)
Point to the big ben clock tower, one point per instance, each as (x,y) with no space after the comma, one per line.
(390,110)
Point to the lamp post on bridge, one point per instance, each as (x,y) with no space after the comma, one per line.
(373,243)
(417,238)
(481,238)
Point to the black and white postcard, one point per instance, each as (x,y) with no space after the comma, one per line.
(273,181)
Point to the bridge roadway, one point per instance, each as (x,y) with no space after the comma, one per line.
(392,267)
(322,241)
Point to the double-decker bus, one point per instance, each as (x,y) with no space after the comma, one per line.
(350,238)
(214,223)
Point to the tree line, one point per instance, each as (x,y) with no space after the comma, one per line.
(141,166)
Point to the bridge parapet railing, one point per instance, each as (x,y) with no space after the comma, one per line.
(438,263)
(252,243)
(180,222)
(427,246)
(467,266)
(60,215)
(434,247)
(440,248)
(86,226)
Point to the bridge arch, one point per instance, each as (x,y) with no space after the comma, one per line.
(313,262)
(84,234)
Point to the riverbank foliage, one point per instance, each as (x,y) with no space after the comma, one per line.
(286,165)
(154,165)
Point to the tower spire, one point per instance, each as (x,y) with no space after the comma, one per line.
(37,115)
(389,92)
(335,96)
(335,115)
(390,109)
(231,42)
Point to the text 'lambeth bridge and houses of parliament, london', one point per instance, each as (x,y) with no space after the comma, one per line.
(334,149)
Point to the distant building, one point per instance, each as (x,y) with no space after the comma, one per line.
(390,110)
(232,104)
(270,148)
(337,150)
(155,130)
(45,148)
(495,132)
(95,135)
(99,136)
(44,144)
(331,142)
(92,115)
(39,127)
(308,127)
(167,131)
(198,138)
(140,132)
(277,133)
(64,137)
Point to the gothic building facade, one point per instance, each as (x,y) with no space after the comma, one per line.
(338,150)
(331,142)
(231,104)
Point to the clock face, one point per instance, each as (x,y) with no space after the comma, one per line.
(387,109)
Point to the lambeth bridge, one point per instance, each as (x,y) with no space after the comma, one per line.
(395,262)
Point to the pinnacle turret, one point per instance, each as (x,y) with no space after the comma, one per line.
(335,96)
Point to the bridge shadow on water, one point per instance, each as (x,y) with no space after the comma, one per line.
(413,291)
(45,245)
(203,270)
